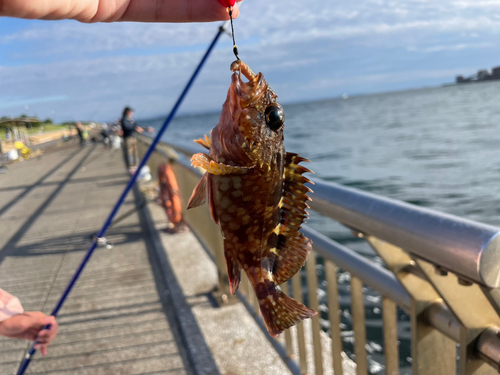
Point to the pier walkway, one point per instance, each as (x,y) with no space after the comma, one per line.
(143,306)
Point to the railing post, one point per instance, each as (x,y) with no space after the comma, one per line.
(334,315)
(358,325)
(301,340)
(312,284)
(472,309)
(433,353)
(390,329)
(288,332)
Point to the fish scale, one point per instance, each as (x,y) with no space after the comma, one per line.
(256,194)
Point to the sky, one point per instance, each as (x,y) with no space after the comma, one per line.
(306,50)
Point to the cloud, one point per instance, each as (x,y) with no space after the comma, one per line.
(305,49)
(16,101)
(274,23)
(453,47)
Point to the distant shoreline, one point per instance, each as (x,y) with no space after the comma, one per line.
(469,82)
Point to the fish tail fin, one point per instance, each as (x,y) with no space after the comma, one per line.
(280,312)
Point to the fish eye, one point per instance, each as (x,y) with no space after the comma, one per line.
(275,117)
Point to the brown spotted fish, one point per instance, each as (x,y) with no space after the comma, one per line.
(256,194)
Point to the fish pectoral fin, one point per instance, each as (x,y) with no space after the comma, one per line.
(211,166)
(199,193)
(207,142)
(233,272)
(290,256)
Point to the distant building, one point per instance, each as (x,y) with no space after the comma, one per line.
(495,73)
(461,79)
(483,75)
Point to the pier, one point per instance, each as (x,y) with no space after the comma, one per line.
(144,304)
(152,302)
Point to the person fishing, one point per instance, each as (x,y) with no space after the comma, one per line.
(106,136)
(129,128)
(81,134)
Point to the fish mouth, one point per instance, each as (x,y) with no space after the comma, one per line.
(249,92)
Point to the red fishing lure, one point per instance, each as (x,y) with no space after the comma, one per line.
(227,3)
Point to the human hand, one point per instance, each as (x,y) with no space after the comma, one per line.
(29,326)
(150,129)
(118,10)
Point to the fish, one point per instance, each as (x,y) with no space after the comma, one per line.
(256,193)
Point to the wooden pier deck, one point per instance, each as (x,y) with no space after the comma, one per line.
(115,320)
(122,317)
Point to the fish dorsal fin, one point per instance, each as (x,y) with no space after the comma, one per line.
(199,193)
(292,248)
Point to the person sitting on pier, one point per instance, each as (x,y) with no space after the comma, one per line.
(16,323)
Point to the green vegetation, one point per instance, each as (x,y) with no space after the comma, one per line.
(33,125)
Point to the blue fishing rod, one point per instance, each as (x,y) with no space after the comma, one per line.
(109,220)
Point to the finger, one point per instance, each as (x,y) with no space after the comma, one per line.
(55,9)
(50,320)
(42,348)
(119,10)
(30,335)
(176,11)
(44,337)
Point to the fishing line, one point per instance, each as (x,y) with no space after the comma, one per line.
(235,47)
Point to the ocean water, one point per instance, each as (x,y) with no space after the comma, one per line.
(434,147)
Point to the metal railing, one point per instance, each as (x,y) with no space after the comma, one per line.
(443,271)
